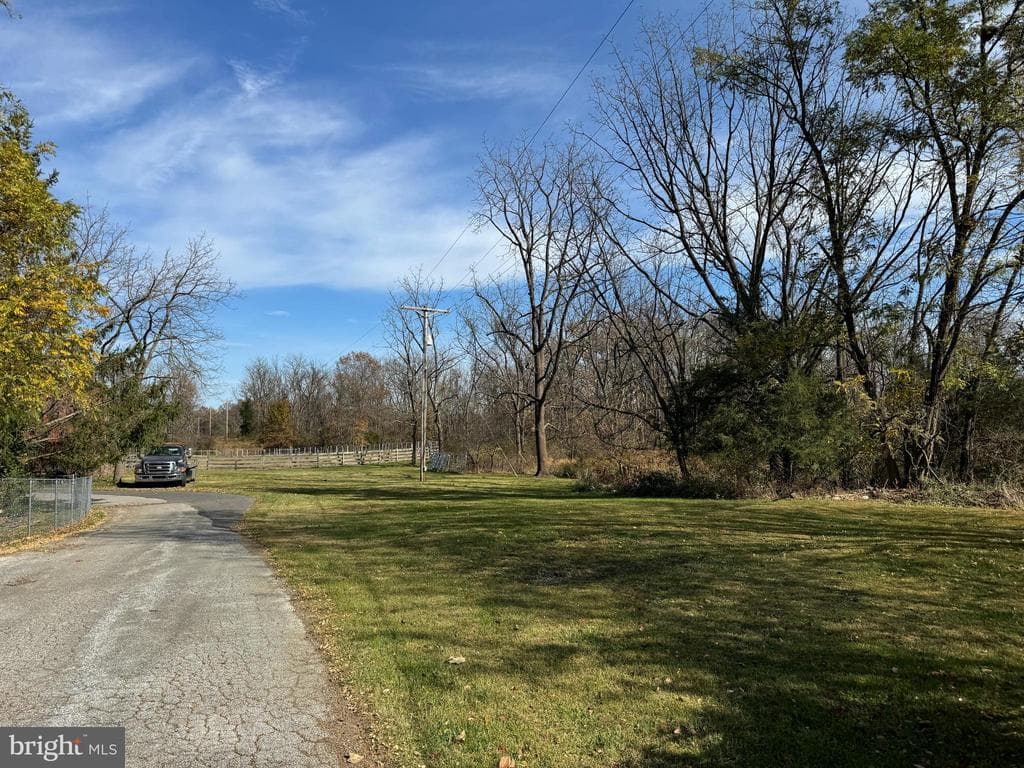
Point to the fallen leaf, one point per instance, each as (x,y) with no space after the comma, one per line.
(461,738)
(353,758)
(506,762)
(456,659)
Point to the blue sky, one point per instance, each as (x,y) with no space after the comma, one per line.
(326,147)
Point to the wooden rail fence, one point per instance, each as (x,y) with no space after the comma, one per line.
(299,458)
(387,455)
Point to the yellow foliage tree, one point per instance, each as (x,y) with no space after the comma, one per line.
(48,294)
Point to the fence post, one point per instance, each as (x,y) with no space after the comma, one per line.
(30,506)
(74,506)
(55,524)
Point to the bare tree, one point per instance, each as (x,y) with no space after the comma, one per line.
(310,393)
(501,371)
(163,308)
(642,357)
(263,383)
(361,397)
(546,208)
(710,190)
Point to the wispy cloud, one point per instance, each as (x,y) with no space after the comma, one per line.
(278,313)
(252,81)
(473,81)
(84,76)
(217,136)
(284,7)
(306,215)
(293,186)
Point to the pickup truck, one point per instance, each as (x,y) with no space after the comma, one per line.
(166,464)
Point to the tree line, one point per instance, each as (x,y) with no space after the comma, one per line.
(785,250)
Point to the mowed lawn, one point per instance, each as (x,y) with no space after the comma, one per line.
(602,631)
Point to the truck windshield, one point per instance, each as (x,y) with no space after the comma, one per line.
(167,450)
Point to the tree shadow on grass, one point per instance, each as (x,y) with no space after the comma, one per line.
(805,639)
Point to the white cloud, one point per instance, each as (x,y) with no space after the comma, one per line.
(284,7)
(471,81)
(278,313)
(252,81)
(291,185)
(292,189)
(69,74)
(217,136)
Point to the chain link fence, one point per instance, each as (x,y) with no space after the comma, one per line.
(30,506)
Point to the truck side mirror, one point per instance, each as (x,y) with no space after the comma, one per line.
(188,451)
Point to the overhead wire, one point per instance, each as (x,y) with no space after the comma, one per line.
(508,261)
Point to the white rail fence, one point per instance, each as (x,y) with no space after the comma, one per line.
(301,458)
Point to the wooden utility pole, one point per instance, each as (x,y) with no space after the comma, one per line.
(424,313)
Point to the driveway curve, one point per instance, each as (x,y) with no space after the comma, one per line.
(165,621)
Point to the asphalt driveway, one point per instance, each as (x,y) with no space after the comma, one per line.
(165,621)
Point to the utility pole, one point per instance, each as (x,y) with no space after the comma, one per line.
(424,313)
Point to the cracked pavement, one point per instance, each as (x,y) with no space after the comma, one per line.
(165,621)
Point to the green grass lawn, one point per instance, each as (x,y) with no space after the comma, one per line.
(635,632)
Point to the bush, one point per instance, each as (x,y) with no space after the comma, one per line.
(645,473)
(672,485)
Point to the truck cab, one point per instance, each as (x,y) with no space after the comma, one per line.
(168,463)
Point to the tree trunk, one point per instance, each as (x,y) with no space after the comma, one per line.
(968,428)
(520,436)
(540,430)
(921,448)
(415,443)
(682,459)
(438,430)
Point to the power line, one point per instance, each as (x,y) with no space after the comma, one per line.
(536,133)
(510,259)
(579,73)
(547,117)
